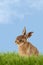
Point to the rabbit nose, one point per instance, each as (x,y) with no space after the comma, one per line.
(15,41)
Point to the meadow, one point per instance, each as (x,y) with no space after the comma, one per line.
(15,59)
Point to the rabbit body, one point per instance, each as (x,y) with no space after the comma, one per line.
(25,48)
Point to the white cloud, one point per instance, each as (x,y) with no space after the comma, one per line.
(18,8)
(38,4)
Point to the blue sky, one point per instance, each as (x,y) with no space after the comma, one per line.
(14,15)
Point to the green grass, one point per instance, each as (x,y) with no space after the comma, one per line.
(15,59)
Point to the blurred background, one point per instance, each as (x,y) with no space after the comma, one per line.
(14,15)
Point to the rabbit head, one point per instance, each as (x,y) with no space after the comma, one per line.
(23,38)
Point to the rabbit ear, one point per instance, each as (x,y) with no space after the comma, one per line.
(29,34)
(24,31)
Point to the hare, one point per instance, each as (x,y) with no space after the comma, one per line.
(25,47)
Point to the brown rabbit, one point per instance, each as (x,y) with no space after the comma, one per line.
(25,47)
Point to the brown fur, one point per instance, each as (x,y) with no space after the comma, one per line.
(26,48)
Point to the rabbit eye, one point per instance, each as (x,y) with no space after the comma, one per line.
(20,40)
